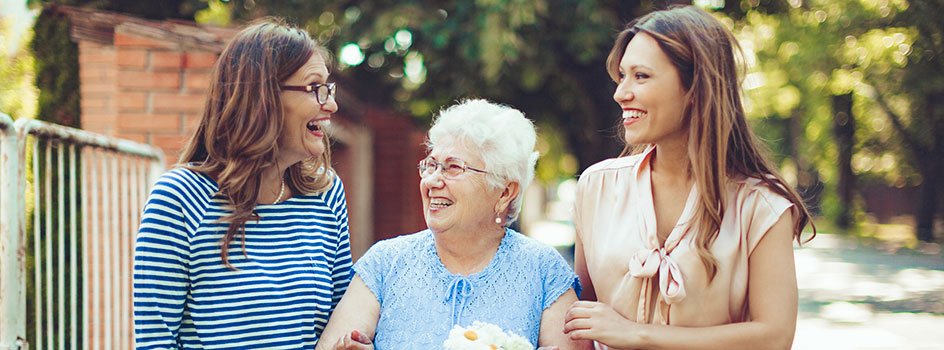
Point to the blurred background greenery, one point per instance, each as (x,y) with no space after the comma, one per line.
(849,94)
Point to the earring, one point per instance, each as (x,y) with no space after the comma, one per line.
(498,220)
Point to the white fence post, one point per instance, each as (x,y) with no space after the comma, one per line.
(55,314)
(12,233)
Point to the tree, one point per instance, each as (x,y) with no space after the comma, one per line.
(17,94)
(921,127)
(545,57)
(853,67)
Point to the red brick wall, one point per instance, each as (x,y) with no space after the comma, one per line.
(97,72)
(397,149)
(156,91)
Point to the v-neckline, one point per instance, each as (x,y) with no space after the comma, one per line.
(648,209)
(475,275)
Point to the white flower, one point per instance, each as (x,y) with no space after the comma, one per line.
(484,336)
(517,342)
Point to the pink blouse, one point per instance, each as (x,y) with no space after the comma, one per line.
(668,284)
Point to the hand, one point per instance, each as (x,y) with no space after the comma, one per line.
(354,341)
(589,320)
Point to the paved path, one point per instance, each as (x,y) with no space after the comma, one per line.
(853,296)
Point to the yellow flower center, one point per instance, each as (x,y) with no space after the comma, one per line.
(470,335)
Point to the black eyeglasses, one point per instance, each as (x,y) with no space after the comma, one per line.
(322,91)
(451,167)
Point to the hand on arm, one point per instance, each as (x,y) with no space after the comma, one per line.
(772,302)
(354,321)
(552,325)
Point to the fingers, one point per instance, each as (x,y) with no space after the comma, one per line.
(578,324)
(360,337)
(584,304)
(581,334)
(341,344)
(581,309)
(353,341)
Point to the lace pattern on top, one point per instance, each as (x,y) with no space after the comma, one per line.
(420,300)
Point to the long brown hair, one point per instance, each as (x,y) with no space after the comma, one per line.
(237,138)
(721,146)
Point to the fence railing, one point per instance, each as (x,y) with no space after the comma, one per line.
(70,201)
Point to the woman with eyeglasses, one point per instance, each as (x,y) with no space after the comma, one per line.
(409,291)
(245,244)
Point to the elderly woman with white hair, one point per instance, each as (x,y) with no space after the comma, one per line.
(409,291)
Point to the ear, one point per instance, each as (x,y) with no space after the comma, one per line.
(508,194)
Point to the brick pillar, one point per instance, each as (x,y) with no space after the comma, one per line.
(161,90)
(98,73)
(397,149)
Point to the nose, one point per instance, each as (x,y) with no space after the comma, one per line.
(623,92)
(434,180)
(330,106)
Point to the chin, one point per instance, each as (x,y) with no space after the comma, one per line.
(315,151)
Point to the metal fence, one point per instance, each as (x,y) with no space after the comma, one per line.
(70,201)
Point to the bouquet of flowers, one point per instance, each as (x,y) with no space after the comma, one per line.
(484,336)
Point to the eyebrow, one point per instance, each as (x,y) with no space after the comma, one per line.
(446,159)
(311,76)
(636,66)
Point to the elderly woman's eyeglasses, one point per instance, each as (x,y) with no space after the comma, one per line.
(451,168)
(322,92)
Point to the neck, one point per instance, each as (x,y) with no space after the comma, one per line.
(271,185)
(670,161)
(468,252)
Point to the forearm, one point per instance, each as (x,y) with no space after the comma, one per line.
(358,310)
(745,335)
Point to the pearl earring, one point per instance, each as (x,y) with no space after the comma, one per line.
(498,220)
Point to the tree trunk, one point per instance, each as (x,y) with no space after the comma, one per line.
(927,199)
(844,131)
(931,166)
(808,183)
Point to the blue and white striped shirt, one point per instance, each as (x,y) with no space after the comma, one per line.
(296,267)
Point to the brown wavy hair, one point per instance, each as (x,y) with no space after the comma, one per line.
(237,138)
(721,145)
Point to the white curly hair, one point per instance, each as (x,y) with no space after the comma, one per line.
(501,135)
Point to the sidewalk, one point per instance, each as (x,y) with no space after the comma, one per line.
(853,296)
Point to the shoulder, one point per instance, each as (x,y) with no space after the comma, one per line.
(183,183)
(613,164)
(529,248)
(608,170)
(334,193)
(753,192)
(402,244)
(179,177)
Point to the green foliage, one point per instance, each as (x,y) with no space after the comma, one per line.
(545,57)
(17,94)
(816,49)
(57,69)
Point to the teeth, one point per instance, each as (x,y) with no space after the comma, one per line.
(634,114)
(318,125)
(439,203)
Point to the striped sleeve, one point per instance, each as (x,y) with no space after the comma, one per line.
(341,272)
(161,263)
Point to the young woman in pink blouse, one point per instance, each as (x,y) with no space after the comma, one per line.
(685,241)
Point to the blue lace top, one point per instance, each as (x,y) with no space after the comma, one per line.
(420,300)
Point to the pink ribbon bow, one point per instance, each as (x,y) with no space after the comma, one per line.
(646,262)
